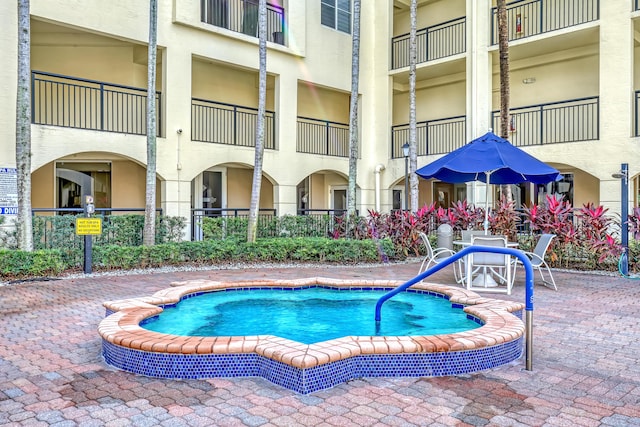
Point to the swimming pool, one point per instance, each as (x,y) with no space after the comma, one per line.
(306,368)
(309,314)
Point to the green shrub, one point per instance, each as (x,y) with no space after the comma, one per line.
(14,263)
(114,257)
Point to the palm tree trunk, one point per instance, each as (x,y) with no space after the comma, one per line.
(149,232)
(24,224)
(262,99)
(503,47)
(413,149)
(353,111)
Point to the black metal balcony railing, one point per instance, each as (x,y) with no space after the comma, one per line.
(528,18)
(434,42)
(439,136)
(555,122)
(59,100)
(229,124)
(322,137)
(241,16)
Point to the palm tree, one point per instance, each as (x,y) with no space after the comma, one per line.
(149,233)
(24,224)
(262,99)
(503,48)
(353,111)
(413,153)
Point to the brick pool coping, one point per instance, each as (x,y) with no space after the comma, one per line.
(121,327)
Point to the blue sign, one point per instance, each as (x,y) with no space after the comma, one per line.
(8,211)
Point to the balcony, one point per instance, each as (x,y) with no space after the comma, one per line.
(220,123)
(434,42)
(322,137)
(72,102)
(528,18)
(439,136)
(241,16)
(553,123)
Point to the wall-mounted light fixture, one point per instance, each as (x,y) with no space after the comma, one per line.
(529,80)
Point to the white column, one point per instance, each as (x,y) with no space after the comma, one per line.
(286,103)
(479,68)
(479,81)
(616,98)
(285,199)
(176,107)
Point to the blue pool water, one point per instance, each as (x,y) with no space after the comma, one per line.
(309,315)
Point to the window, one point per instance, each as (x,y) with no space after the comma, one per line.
(561,190)
(336,14)
(75,180)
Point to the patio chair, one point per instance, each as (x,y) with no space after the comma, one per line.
(537,259)
(467,234)
(434,256)
(487,265)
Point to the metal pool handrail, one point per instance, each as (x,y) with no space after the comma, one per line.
(528,268)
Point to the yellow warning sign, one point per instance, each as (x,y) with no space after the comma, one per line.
(88,226)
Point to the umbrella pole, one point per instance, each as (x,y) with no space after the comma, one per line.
(486,204)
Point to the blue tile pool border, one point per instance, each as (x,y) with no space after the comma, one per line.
(305,381)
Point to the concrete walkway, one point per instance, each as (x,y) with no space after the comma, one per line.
(586,370)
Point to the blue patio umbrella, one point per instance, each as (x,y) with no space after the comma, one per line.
(492,160)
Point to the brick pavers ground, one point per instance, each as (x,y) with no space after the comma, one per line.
(586,370)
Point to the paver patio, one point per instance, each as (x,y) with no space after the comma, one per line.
(586,370)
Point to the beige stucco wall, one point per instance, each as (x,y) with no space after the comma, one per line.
(216,82)
(43,187)
(437,102)
(435,13)
(320,103)
(128,185)
(572,78)
(239,189)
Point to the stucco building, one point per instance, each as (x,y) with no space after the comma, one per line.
(575,75)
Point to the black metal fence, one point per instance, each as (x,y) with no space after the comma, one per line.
(241,16)
(554,122)
(59,100)
(54,228)
(528,18)
(232,223)
(322,137)
(434,42)
(230,124)
(438,136)
(225,222)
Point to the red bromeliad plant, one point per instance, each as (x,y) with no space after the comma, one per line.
(594,222)
(634,223)
(504,220)
(426,218)
(465,216)
(555,216)
(594,229)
